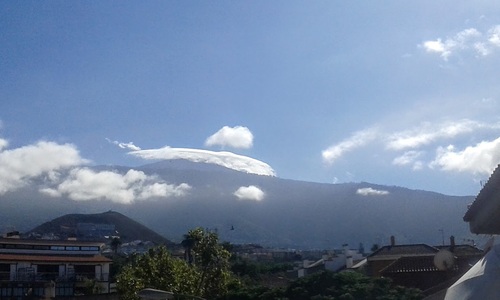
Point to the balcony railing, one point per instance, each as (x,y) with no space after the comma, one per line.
(52,276)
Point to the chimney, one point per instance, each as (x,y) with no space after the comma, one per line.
(393,241)
(452,243)
(348,256)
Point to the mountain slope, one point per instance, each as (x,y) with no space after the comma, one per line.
(303,214)
(292,213)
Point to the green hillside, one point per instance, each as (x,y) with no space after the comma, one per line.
(127,229)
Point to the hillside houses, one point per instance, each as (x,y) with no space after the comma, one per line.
(416,265)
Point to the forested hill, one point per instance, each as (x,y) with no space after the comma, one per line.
(126,228)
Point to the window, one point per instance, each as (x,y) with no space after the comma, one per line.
(64,289)
(91,248)
(41,247)
(21,246)
(4,271)
(56,247)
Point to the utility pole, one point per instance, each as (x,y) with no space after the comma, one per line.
(442,235)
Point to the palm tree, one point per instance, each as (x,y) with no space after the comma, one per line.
(115,243)
(189,242)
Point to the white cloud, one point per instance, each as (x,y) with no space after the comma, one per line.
(371,192)
(409,158)
(357,140)
(249,193)
(468,39)
(3,144)
(223,158)
(481,158)
(86,184)
(236,137)
(413,146)
(129,145)
(494,35)
(482,49)
(437,46)
(428,133)
(18,166)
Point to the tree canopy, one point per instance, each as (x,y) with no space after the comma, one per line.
(207,275)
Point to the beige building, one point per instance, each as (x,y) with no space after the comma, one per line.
(48,269)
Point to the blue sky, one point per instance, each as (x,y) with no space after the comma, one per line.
(400,93)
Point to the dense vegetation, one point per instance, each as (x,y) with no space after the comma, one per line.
(204,273)
(207,271)
(328,286)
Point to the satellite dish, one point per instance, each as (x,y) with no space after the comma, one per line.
(444,260)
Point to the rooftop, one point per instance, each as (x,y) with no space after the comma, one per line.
(404,250)
(413,264)
(482,214)
(463,250)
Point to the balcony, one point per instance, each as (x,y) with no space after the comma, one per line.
(51,276)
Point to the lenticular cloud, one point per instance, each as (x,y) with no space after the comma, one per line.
(226,159)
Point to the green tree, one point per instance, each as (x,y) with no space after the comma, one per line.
(188,244)
(348,285)
(212,260)
(115,244)
(207,276)
(156,269)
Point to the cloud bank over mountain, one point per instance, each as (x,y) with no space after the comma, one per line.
(86,184)
(19,166)
(61,170)
(222,158)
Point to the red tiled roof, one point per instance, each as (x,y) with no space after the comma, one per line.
(55,258)
(413,264)
(412,249)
